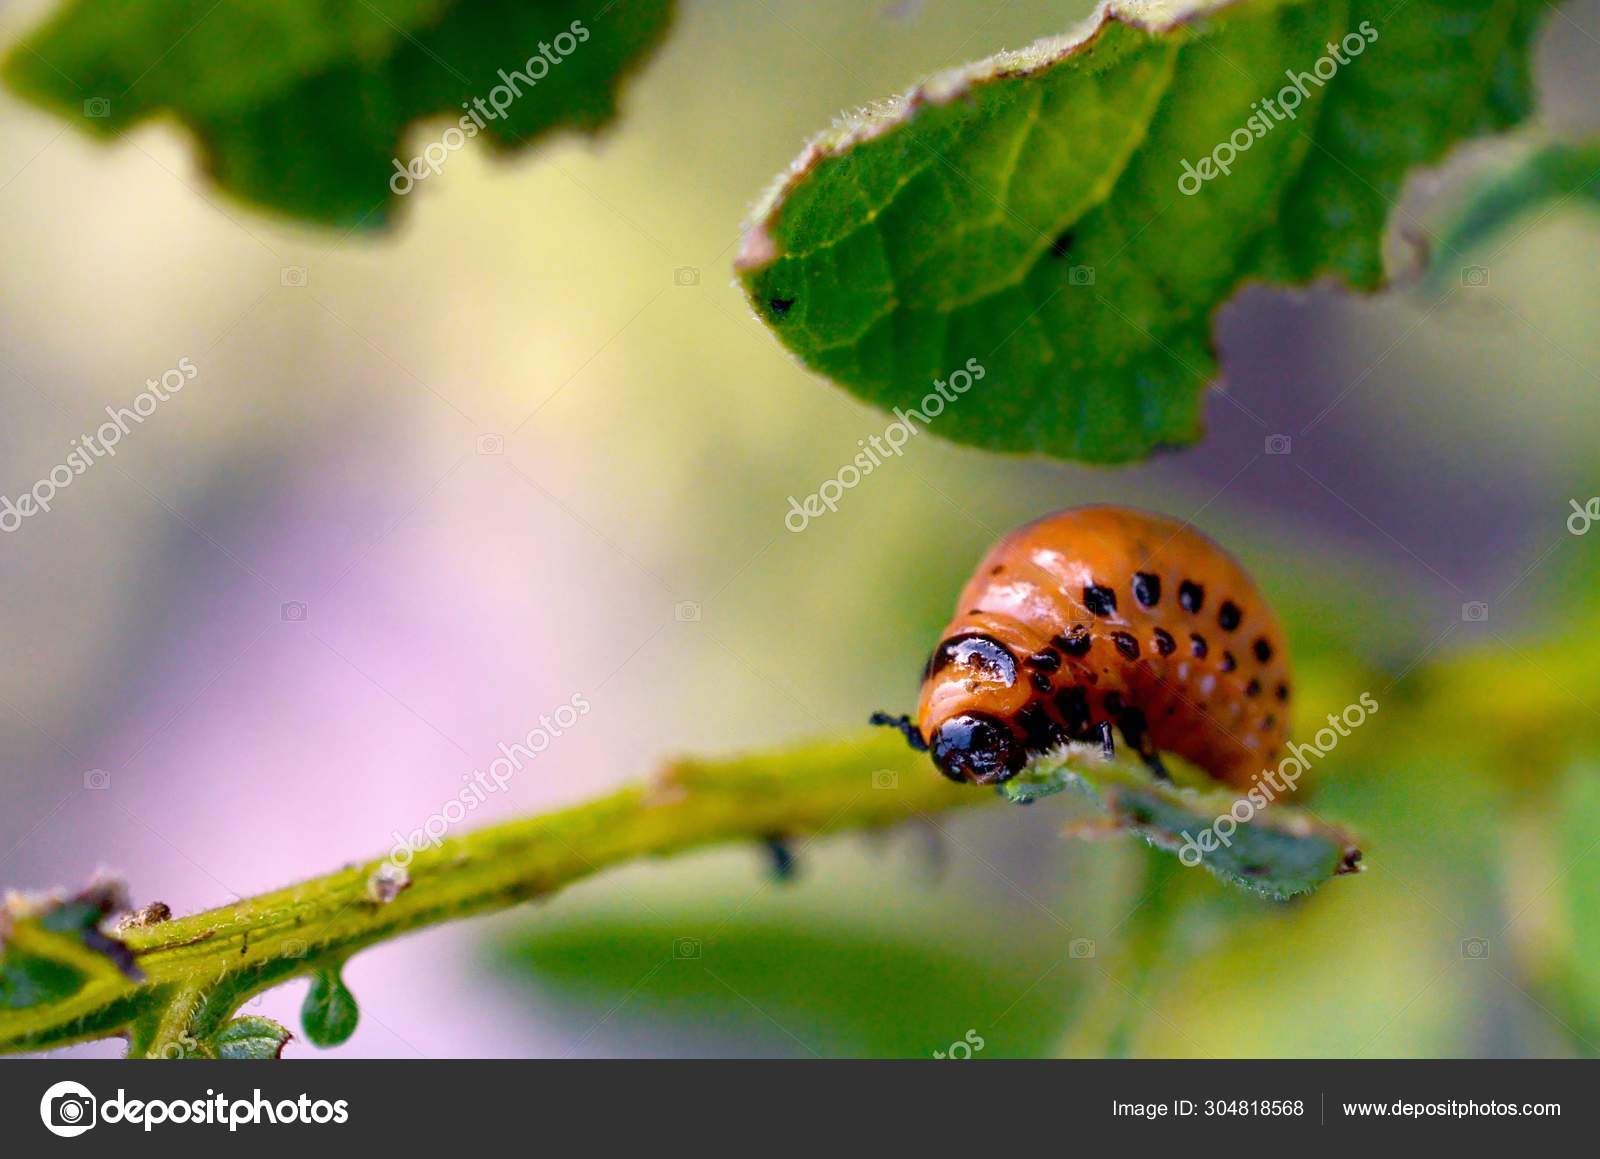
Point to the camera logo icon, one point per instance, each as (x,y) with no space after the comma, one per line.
(885,779)
(686,276)
(491,445)
(294,611)
(293,276)
(68,1109)
(1476,612)
(1475,275)
(96,779)
(685,948)
(1081,948)
(1278,444)
(97,107)
(1081,276)
(1475,948)
(686,612)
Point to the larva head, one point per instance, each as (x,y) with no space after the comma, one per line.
(973,689)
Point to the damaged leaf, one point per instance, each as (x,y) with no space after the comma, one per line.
(1071,216)
(308,109)
(1273,849)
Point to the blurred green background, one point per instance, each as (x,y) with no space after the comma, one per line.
(531,442)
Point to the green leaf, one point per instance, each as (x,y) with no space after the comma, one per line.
(251,1037)
(1546,178)
(1273,849)
(329,1013)
(1025,211)
(303,107)
(53,949)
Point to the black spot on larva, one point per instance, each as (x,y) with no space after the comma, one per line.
(1100,601)
(1253,688)
(1191,596)
(1113,703)
(1046,661)
(1263,650)
(1283,692)
(1040,681)
(1197,644)
(1147,588)
(1126,644)
(780,306)
(1075,642)
(1229,615)
(1272,720)
(992,659)
(1163,642)
(1228,663)
(1073,705)
(1062,245)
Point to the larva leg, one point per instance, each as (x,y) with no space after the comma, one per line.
(1136,732)
(903,724)
(781,858)
(1158,770)
(1108,745)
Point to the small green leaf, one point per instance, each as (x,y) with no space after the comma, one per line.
(329,1013)
(303,107)
(1545,178)
(1026,212)
(1273,849)
(252,1037)
(52,948)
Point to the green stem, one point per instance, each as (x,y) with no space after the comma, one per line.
(195,971)
(1147,946)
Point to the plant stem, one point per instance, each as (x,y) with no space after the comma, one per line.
(197,970)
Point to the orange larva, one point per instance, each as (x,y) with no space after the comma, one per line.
(1099,619)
